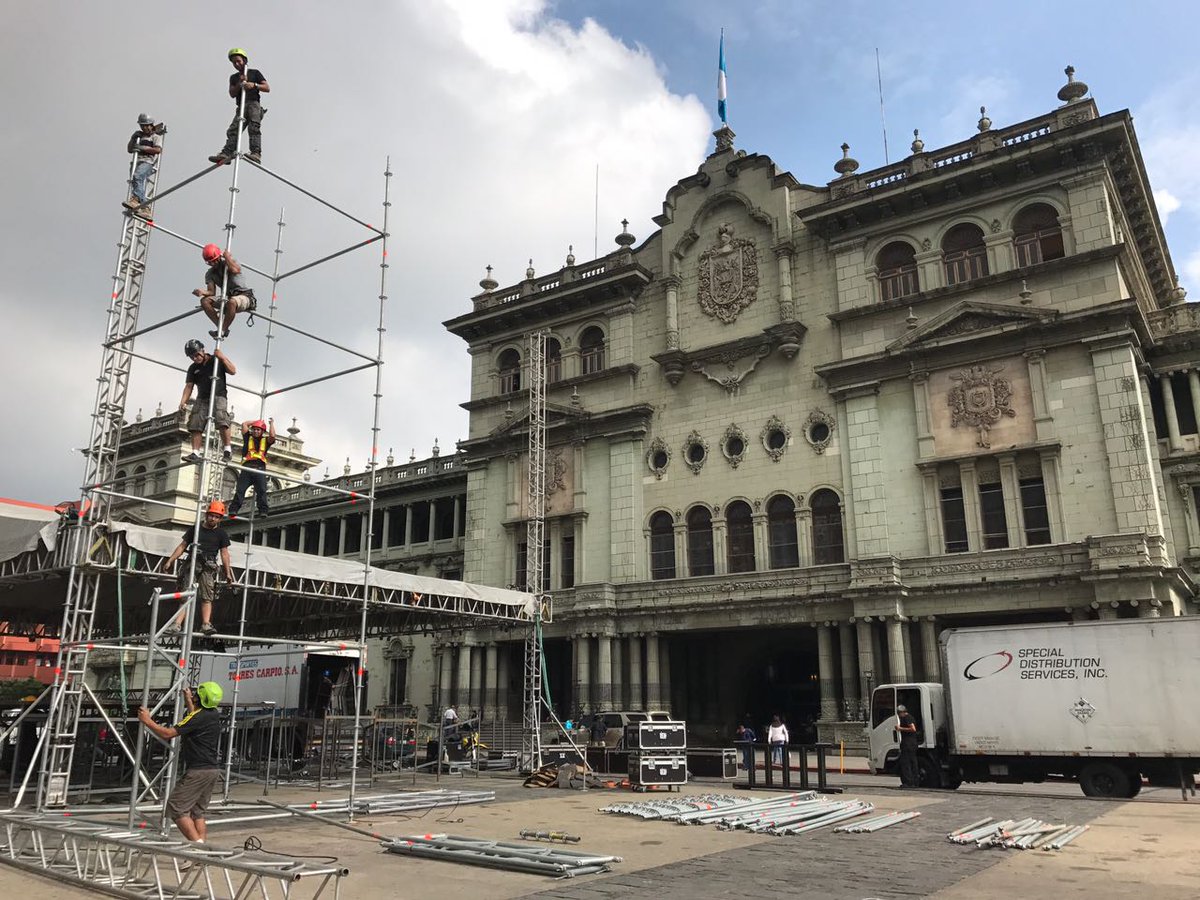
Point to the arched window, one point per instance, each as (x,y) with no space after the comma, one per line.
(160,477)
(1037,235)
(897,268)
(740,544)
(662,546)
(700,542)
(510,371)
(139,481)
(963,254)
(120,485)
(591,349)
(553,360)
(782,546)
(828,545)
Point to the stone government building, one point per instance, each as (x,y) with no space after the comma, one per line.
(801,429)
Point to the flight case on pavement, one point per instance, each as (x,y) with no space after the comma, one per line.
(646,770)
(656,736)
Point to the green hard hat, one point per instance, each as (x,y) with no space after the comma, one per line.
(210,694)
(238,51)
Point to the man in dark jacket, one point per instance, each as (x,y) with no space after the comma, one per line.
(254,83)
(906,725)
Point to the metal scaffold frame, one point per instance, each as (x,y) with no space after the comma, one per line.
(531,740)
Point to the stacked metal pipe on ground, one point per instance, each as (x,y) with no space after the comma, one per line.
(1017,834)
(532,859)
(867,826)
(402,802)
(791,814)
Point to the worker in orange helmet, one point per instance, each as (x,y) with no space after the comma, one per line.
(256,441)
(212,545)
(224,273)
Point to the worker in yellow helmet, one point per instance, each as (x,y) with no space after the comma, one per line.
(254,84)
(200,731)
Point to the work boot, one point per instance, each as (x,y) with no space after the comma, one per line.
(254,157)
(193,457)
(227,455)
(218,158)
(132,203)
(207,628)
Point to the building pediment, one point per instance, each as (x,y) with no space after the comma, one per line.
(970,321)
(729,363)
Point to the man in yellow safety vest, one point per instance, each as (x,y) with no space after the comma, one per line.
(257,439)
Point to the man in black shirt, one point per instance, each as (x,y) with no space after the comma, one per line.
(906,725)
(201,751)
(254,83)
(213,544)
(200,376)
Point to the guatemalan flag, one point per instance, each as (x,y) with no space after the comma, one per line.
(721,82)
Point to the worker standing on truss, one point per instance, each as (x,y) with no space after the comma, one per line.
(200,732)
(254,83)
(144,142)
(204,370)
(224,273)
(256,441)
(213,547)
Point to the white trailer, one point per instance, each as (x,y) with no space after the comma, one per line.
(293,679)
(1107,703)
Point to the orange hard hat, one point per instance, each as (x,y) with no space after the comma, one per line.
(211,253)
(217,507)
(259,423)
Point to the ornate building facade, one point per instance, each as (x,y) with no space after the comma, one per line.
(801,429)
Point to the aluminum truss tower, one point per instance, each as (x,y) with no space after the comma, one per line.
(531,740)
(103,450)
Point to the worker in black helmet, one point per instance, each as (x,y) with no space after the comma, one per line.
(254,83)
(145,143)
(205,370)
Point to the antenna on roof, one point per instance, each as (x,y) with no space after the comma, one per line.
(596,218)
(882,120)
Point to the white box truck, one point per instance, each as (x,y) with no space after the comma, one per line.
(1107,703)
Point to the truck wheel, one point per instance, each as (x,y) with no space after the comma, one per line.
(928,774)
(1104,779)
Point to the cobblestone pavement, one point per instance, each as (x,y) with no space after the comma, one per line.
(913,859)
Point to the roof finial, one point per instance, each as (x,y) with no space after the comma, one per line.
(391,460)
(1025,293)
(529,273)
(570,254)
(625,239)
(985,123)
(437,451)
(1073,90)
(847,165)
(487,282)
(918,145)
(346,467)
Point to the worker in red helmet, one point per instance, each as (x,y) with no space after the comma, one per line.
(257,439)
(213,549)
(223,273)
(254,83)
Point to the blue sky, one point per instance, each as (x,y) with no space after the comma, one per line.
(495,114)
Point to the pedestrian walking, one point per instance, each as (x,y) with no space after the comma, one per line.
(213,548)
(224,274)
(145,143)
(256,442)
(254,84)
(200,736)
(746,737)
(204,370)
(777,737)
(906,725)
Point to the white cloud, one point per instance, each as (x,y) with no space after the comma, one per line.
(495,116)
(1167,203)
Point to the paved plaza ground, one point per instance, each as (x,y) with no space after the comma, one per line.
(1143,848)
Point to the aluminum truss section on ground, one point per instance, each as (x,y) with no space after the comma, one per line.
(125,863)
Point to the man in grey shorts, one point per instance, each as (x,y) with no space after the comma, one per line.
(224,273)
(200,375)
(201,751)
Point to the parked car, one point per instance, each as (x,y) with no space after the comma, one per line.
(615,722)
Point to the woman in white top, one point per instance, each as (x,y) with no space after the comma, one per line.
(777,737)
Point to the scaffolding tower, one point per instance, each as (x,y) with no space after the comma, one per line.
(531,740)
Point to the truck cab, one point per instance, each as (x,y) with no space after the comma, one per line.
(926,703)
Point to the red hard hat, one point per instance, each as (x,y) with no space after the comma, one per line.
(217,507)
(211,252)
(259,423)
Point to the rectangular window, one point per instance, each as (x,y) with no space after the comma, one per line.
(510,380)
(965,265)
(1033,507)
(700,552)
(954,520)
(520,576)
(398,682)
(897,283)
(592,359)
(991,511)
(553,369)
(568,561)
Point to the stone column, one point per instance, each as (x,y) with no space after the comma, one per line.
(849,671)
(1174,441)
(462,692)
(929,649)
(804,535)
(664,673)
(968,478)
(618,681)
(825,673)
(1194,392)
(787,308)
(446,678)
(583,704)
(432,521)
(636,701)
(602,692)
(653,684)
(897,659)
(408,516)
(867,671)
(672,282)
(490,695)
(477,655)
(503,692)
(457,516)
(1150,609)
(1106,610)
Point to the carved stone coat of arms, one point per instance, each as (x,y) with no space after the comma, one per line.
(979,400)
(728,277)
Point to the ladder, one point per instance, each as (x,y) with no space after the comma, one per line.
(87,535)
(531,741)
